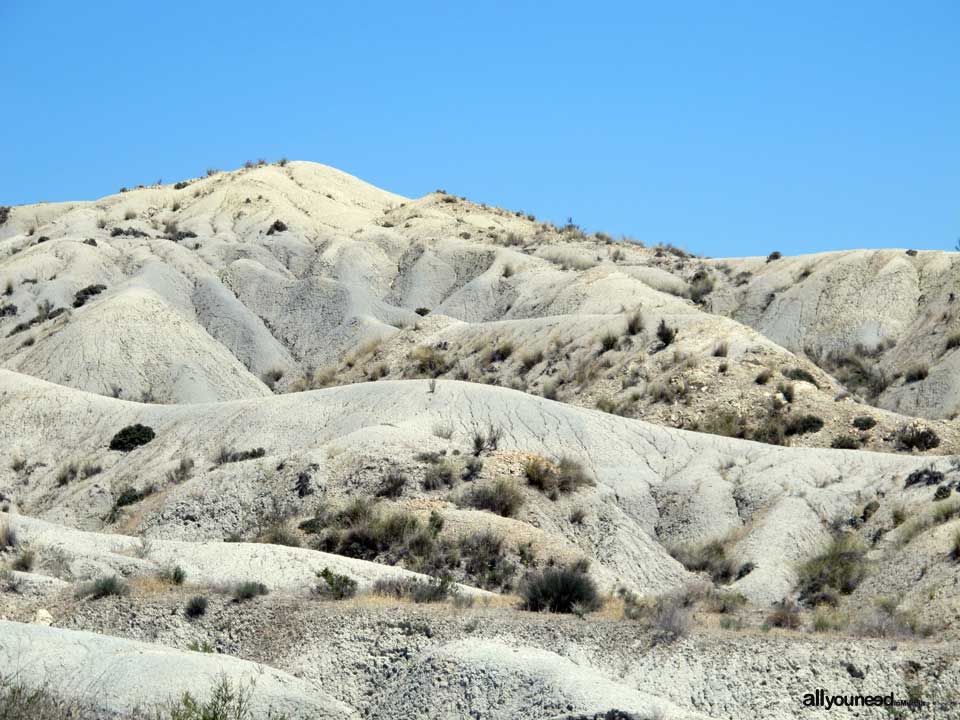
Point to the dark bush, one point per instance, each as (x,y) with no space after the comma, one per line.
(196,606)
(559,590)
(103,587)
(501,497)
(710,558)
(803,424)
(837,570)
(844,442)
(916,374)
(775,255)
(336,586)
(801,375)
(248,590)
(132,437)
(422,311)
(129,495)
(81,296)
(484,560)
(278,226)
(392,484)
(228,455)
(785,614)
(914,437)
(420,591)
(665,333)
(924,476)
(864,422)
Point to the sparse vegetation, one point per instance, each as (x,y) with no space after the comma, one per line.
(864,422)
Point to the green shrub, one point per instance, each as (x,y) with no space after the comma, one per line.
(279,534)
(864,422)
(787,390)
(103,587)
(420,591)
(196,606)
(803,424)
(699,288)
(484,560)
(800,375)
(392,484)
(486,442)
(336,586)
(916,437)
(566,476)
(472,468)
(763,377)
(845,442)
(438,475)
(81,296)
(775,255)
(501,497)
(836,571)
(130,496)
(916,374)
(785,614)
(229,455)
(710,557)
(248,590)
(173,574)
(132,437)
(559,590)
(24,561)
(531,359)
(429,361)
(608,342)
(8,536)
(724,422)
(665,333)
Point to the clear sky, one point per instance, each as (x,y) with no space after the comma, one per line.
(729,128)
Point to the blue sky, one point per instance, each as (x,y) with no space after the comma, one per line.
(729,128)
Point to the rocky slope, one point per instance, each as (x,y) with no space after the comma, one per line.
(332,435)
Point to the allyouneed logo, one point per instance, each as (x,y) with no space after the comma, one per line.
(821,698)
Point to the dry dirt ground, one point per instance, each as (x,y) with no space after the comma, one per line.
(749,461)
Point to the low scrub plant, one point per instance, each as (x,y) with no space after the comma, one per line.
(836,571)
(335,586)
(559,590)
(132,437)
(502,497)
